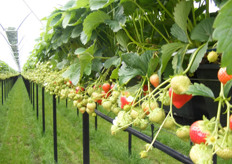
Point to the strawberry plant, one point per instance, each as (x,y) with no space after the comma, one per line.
(133,58)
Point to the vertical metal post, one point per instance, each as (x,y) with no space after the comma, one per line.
(85,129)
(2,91)
(77,112)
(152,130)
(55,129)
(215,159)
(33,97)
(5,82)
(37,102)
(31,92)
(129,143)
(95,122)
(43,112)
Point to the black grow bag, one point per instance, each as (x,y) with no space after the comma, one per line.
(199,105)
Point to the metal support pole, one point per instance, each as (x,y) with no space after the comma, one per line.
(33,97)
(77,112)
(129,143)
(5,82)
(37,102)
(55,129)
(2,91)
(95,122)
(43,112)
(85,122)
(31,92)
(214,159)
(152,130)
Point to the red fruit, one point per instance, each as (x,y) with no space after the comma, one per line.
(106,87)
(231,122)
(79,89)
(70,82)
(223,77)
(145,89)
(179,100)
(99,102)
(198,133)
(124,101)
(154,80)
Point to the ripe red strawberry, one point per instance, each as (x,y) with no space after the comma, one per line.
(223,77)
(124,101)
(106,87)
(145,89)
(154,80)
(231,122)
(198,132)
(179,100)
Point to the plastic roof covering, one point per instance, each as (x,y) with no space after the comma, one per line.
(24,15)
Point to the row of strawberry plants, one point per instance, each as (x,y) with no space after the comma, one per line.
(6,71)
(131,58)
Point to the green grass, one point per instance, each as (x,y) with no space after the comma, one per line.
(22,140)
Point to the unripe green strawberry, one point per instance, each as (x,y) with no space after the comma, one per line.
(143,154)
(91,106)
(82,110)
(107,105)
(180,84)
(212,56)
(183,133)
(157,115)
(134,114)
(201,153)
(169,123)
(126,107)
(114,129)
(75,103)
(89,111)
(143,124)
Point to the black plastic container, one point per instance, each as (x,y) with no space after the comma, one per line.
(199,105)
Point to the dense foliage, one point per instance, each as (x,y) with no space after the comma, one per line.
(6,71)
(109,52)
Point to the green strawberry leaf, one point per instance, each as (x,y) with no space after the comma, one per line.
(66,19)
(112,61)
(178,60)
(118,21)
(126,73)
(223,33)
(73,72)
(227,88)
(203,31)
(181,12)
(167,51)
(98,4)
(91,22)
(77,31)
(141,62)
(122,38)
(179,33)
(200,54)
(114,74)
(200,90)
